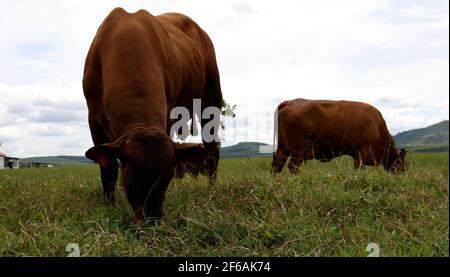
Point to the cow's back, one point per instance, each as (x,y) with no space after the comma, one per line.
(164,60)
(124,72)
(199,68)
(127,51)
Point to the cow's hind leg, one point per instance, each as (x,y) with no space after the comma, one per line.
(297,158)
(212,143)
(360,157)
(279,159)
(213,160)
(212,97)
(357,161)
(294,164)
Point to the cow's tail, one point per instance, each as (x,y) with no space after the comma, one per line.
(275,132)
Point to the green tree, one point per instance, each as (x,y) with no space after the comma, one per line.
(227,110)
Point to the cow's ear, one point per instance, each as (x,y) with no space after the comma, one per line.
(103,153)
(193,153)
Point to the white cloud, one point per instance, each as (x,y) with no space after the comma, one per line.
(392,54)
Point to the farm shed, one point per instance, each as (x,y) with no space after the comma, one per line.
(8,162)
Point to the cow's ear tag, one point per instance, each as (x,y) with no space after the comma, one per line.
(103,160)
(102,153)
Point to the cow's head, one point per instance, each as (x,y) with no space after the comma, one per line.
(400,164)
(194,164)
(148,160)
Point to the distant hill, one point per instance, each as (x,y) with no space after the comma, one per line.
(242,149)
(433,138)
(58,160)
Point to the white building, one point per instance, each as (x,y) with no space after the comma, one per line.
(8,162)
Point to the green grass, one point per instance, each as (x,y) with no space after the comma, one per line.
(327,210)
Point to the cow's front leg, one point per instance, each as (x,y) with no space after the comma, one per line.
(109,174)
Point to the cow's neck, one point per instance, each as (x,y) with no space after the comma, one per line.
(120,129)
(137,113)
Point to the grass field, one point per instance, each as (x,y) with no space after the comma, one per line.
(327,210)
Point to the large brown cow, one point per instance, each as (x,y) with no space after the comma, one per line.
(138,68)
(323,129)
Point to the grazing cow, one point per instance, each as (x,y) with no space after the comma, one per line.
(194,165)
(323,129)
(138,68)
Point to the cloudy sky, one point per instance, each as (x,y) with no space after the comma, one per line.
(392,54)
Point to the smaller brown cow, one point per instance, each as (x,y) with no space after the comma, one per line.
(324,129)
(194,164)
